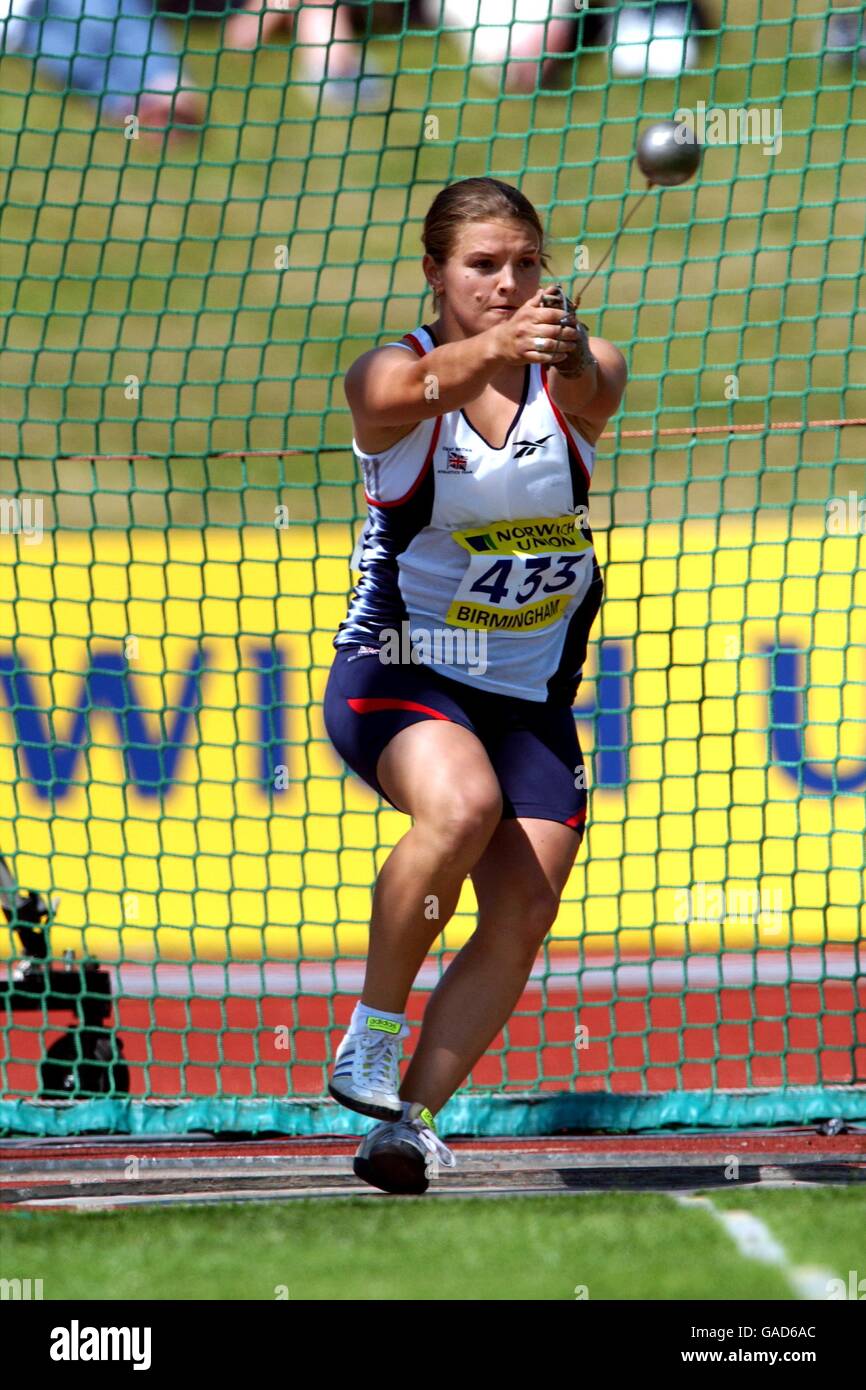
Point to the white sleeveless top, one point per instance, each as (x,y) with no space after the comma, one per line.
(482,554)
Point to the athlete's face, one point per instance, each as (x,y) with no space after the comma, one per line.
(494,267)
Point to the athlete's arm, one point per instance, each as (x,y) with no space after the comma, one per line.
(389,387)
(389,390)
(597,394)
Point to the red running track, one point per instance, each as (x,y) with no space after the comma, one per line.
(805,1033)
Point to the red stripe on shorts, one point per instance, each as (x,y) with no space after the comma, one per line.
(374,706)
(579,819)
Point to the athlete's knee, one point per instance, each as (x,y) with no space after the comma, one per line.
(463,816)
(536,920)
(520,920)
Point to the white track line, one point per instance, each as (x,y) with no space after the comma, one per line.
(755,1241)
(599,974)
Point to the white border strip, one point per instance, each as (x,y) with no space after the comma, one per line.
(600,976)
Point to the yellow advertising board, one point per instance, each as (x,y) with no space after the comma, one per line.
(165,769)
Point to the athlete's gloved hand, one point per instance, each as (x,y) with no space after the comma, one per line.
(579,358)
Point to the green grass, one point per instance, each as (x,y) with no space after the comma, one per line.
(619,1246)
(615,1245)
(824,1227)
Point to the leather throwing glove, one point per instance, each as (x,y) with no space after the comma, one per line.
(580,357)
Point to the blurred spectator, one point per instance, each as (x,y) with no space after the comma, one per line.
(328,53)
(653,43)
(506,38)
(122,54)
(118,52)
(509,38)
(846,39)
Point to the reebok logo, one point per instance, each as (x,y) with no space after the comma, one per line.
(524,447)
(76,1343)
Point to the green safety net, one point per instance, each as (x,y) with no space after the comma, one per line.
(179,504)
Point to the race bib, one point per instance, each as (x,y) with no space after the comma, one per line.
(521,576)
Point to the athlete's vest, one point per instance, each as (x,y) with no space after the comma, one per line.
(477,560)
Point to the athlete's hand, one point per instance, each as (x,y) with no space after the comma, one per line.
(581,358)
(535,333)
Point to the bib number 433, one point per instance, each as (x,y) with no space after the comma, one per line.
(518,594)
(546,574)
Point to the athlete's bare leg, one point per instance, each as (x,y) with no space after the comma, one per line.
(441,775)
(518,883)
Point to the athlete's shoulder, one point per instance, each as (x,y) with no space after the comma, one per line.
(420,340)
(416,343)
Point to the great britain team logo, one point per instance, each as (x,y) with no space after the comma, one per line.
(456,461)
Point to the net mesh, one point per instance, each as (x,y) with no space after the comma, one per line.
(179,505)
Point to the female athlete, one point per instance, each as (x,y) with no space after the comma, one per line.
(459,660)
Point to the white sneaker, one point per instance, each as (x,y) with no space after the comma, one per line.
(366,1073)
(403,1157)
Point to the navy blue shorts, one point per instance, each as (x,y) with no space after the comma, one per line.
(533,746)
